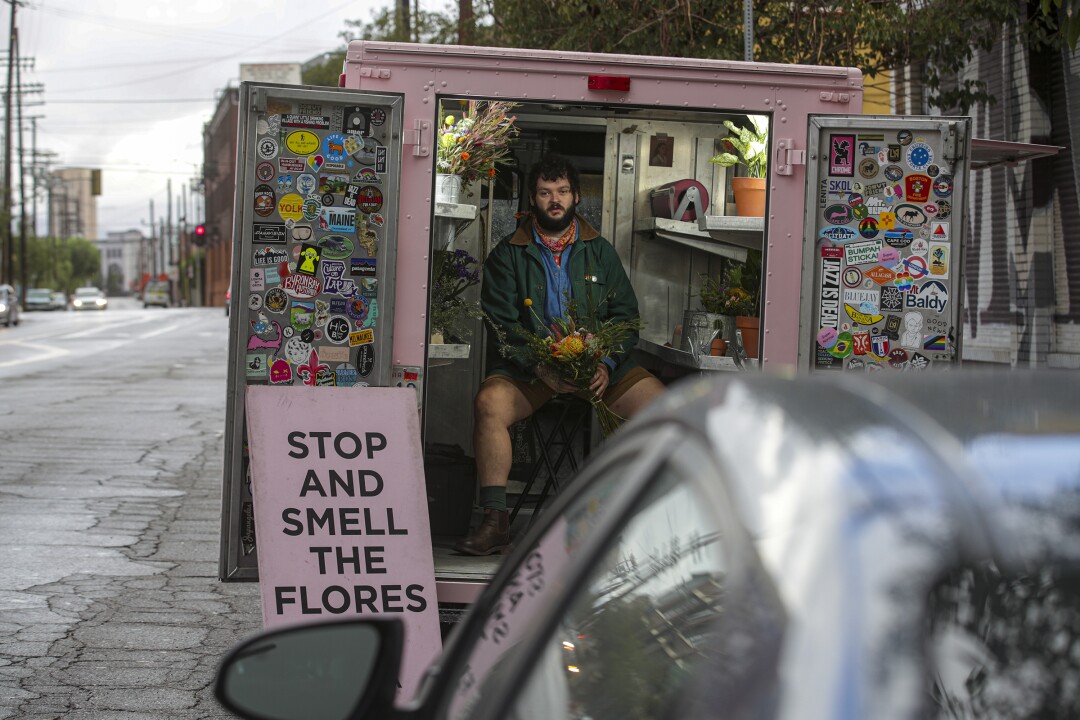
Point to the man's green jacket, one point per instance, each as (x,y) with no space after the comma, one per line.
(514,271)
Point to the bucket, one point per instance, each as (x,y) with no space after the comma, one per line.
(698,330)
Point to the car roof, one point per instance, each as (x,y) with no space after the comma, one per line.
(860,492)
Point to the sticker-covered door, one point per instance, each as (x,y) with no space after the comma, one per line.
(883,234)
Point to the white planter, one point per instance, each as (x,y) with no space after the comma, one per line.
(447,188)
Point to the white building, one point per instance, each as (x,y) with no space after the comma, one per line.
(122,257)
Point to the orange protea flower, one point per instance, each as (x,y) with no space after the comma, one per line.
(572,345)
(491,172)
(464,156)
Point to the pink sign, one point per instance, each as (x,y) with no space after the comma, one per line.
(341,511)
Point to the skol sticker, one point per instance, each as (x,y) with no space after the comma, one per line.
(841,161)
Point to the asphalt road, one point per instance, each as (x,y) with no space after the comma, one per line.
(111,440)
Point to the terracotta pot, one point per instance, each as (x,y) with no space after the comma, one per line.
(750,327)
(749,196)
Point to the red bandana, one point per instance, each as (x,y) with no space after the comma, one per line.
(557,245)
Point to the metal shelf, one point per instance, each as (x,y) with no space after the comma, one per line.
(449,351)
(681,358)
(727,235)
(455,211)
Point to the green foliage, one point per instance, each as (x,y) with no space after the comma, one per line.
(62,264)
(326,73)
(453,273)
(1068,13)
(736,290)
(425,27)
(750,144)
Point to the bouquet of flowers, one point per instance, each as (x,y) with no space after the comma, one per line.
(721,298)
(570,351)
(470,146)
(453,274)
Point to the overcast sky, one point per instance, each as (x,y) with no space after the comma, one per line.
(128,84)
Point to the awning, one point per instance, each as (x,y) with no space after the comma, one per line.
(988,153)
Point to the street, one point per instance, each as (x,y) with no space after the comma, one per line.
(110,478)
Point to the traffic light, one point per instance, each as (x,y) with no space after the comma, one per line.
(200,235)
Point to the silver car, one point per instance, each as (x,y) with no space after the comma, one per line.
(89,298)
(759,547)
(9,306)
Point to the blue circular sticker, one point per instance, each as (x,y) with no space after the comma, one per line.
(334,147)
(919,156)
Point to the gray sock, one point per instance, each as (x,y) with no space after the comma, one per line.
(493,496)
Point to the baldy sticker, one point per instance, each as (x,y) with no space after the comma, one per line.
(931,295)
(302,142)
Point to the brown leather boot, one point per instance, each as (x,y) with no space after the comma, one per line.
(490,536)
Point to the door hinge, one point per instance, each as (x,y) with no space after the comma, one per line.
(375,72)
(835,96)
(786,157)
(415,137)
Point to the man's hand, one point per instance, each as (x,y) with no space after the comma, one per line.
(553,381)
(600,378)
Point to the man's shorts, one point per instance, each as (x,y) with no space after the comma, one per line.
(538,393)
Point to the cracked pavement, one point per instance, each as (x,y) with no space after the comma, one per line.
(110,486)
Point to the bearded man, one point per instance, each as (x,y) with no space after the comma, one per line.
(554,256)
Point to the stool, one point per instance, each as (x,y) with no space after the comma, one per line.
(573,417)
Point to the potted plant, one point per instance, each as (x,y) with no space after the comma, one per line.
(736,293)
(454,272)
(749,146)
(470,145)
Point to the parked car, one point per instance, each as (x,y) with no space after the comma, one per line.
(39,299)
(9,305)
(89,298)
(812,548)
(59,300)
(156,293)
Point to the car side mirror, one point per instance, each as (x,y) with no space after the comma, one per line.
(334,670)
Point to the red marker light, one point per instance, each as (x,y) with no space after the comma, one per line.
(609,82)
(200,230)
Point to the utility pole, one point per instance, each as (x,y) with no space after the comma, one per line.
(9,272)
(22,183)
(153,241)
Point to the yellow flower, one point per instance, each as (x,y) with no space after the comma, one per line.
(528,302)
(572,345)
(447,140)
(449,120)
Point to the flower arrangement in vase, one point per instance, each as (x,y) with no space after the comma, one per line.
(472,144)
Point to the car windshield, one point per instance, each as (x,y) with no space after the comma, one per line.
(39,293)
(87,292)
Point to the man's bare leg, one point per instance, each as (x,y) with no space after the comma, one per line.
(497,406)
(638,397)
